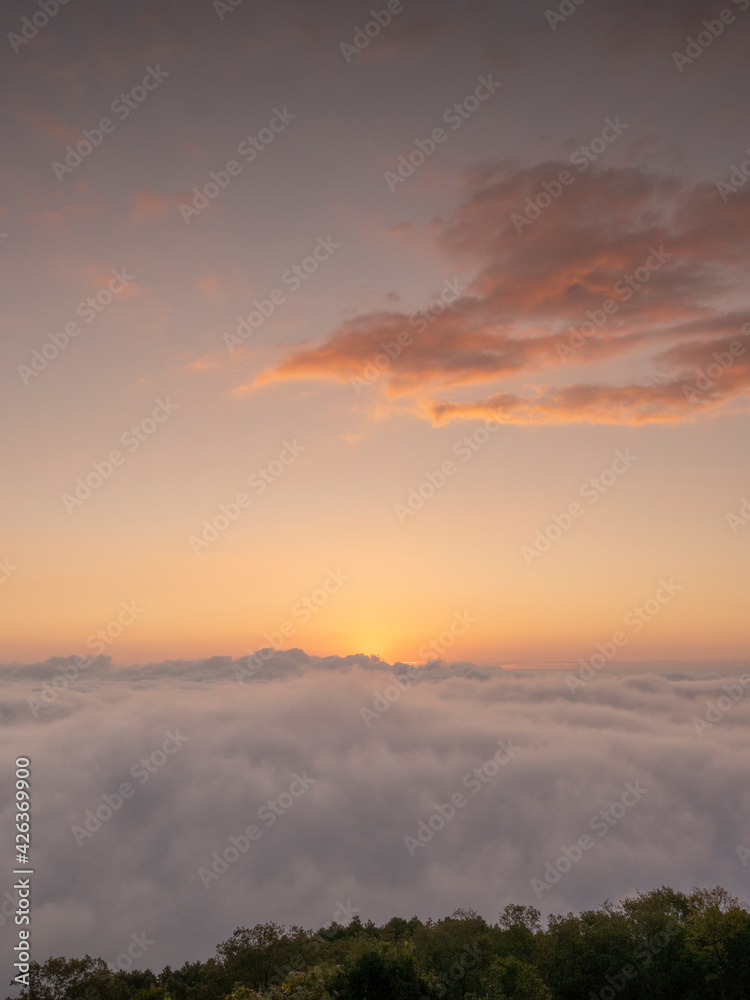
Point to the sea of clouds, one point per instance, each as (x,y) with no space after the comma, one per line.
(304,789)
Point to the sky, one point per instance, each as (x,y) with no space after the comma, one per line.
(490,293)
(389,335)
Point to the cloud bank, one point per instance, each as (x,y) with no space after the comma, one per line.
(319,783)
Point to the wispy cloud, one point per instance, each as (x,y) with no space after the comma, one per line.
(624,263)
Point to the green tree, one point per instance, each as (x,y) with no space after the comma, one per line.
(255,957)
(196,980)
(313,984)
(456,949)
(511,979)
(62,978)
(153,992)
(718,936)
(665,969)
(520,927)
(384,973)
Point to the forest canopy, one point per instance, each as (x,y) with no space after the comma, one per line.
(660,945)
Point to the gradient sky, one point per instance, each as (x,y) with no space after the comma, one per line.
(492,354)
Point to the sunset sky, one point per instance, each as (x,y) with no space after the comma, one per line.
(406,340)
(498,100)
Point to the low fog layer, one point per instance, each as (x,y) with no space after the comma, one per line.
(348,790)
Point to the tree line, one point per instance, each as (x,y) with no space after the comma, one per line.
(659,945)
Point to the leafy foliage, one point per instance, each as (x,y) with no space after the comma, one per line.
(661,945)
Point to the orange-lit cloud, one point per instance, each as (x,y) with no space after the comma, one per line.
(205,363)
(69,212)
(622,264)
(210,285)
(50,127)
(148,204)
